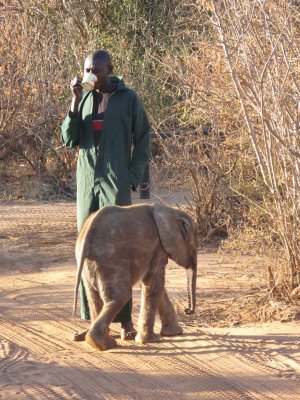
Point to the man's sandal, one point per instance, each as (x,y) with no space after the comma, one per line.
(128,335)
(80,337)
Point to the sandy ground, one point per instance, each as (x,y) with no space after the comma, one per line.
(38,359)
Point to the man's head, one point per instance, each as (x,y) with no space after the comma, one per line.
(99,63)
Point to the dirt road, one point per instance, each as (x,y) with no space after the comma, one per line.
(38,359)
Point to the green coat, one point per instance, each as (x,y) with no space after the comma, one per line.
(124,149)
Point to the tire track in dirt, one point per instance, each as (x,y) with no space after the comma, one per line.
(18,370)
(40,349)
(198,373)
(54,322)
(36,232)
(208,381)
(10,356)
(265,360)
(238,371)
(40,345)
(58,327)
(23,336)
(48,344)
(43,345)
(251,356)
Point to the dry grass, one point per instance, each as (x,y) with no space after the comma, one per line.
(239,311)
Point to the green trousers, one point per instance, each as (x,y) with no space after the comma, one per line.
(86,205)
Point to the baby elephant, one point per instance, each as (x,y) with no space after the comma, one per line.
(124,245)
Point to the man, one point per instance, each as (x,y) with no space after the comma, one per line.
(111,128)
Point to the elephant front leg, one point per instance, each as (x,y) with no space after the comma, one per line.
(168,318)
(150,294)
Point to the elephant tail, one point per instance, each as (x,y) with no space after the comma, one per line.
(80,263)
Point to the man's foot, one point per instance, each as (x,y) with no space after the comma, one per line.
(127,331)
(80,337)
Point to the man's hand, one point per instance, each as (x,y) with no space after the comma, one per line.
(76,87)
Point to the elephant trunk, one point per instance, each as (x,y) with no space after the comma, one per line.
(191,275)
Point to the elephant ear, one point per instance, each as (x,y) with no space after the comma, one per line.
(173,228)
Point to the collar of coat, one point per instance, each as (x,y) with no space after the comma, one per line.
(119,81)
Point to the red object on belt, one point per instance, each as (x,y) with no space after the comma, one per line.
(97,125)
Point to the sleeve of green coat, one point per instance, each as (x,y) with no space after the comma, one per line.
(141,143)
(70,129)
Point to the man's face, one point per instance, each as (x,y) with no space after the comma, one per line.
(99,68)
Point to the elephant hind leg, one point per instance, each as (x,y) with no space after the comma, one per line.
(92,290)
(95,306)
(98,336)
(95,303)
(100,342)
(168,318)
